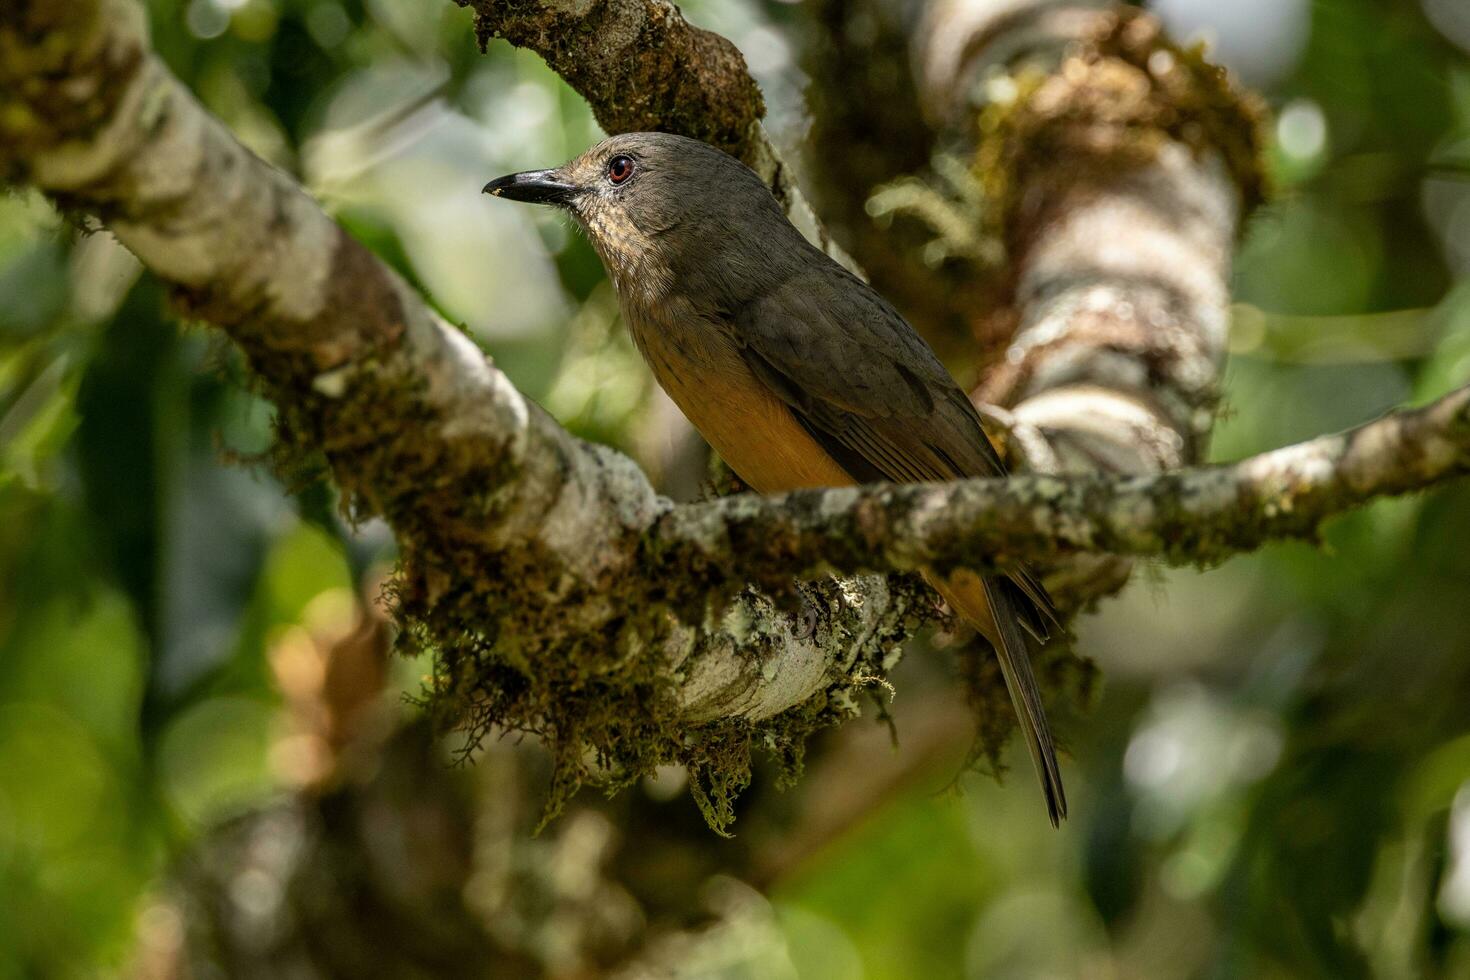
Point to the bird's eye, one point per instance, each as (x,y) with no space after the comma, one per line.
(619,169)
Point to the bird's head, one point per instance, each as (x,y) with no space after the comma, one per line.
(660,209)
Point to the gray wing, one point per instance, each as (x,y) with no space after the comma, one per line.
(870,391)
(859,377)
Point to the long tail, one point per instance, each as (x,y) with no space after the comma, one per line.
(988,603)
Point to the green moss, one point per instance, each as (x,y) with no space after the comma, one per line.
(603,704)
(1118,98)
(517,649)
(38,44)
(509,651)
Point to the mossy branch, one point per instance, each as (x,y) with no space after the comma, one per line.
(526,552)
(1189,516)
(520,544)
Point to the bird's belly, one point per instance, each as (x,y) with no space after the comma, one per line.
(752,430)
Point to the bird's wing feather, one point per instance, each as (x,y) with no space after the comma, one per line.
(842,358)
(874,396)
(870,391)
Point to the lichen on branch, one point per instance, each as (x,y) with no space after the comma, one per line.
(560,594)
(1123,90)
(1189,516)
(519,544)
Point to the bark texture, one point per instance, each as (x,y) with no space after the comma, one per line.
(1198,515)
(1075,222)
(643,68)
(520,544)
(561,594)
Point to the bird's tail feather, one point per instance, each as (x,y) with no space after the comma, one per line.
(987,603)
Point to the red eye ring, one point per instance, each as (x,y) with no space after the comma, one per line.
(619,169)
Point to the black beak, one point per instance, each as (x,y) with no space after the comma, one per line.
(533,186)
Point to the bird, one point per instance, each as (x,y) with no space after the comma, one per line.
(794,370)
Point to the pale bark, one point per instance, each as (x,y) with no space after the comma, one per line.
(554,560)
(1197,515)
(562,594)
(509,527)
(1112,170)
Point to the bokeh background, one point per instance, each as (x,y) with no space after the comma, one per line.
(1274,782)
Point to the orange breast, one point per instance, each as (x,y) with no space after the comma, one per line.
(757,435)
(752,430)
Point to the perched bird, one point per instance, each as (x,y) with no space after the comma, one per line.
(792,368)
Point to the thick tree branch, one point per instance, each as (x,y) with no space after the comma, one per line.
(642,67)
(520,543)
(526,551)
(639,64)
(1112,170)
(1122,177)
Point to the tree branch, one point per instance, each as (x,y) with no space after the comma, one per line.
(519,543)
(641,66)
(1112,170)
(526,552)
(1185,516)
(565,596)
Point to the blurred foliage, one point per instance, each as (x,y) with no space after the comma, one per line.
(1277,782)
